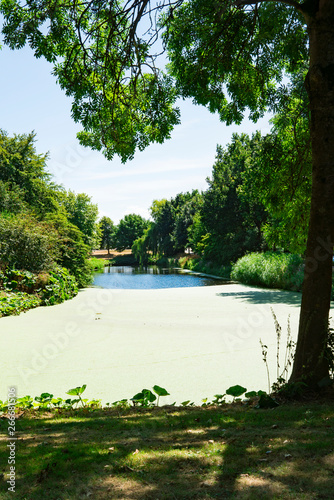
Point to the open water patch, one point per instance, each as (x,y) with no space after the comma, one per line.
(151,277)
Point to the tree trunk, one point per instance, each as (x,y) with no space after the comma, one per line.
(311,363)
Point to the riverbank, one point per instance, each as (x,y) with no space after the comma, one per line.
(195,342)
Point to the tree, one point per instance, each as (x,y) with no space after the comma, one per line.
(107,229)
(26,243)
(280,172)
(232,216)
(162,212)
(184,219)
(231,56)
(83,213)
(35,232)
(24,171)
(130,228)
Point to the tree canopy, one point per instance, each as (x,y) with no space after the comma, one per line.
(40,224)
(131,227)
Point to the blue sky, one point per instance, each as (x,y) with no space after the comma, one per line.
(30,99)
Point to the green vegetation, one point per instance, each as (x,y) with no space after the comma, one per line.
(22,290)
(97,264)
(229,451)
(130,228)
(107,230)
(46,234)
(270,270)
(201,266)
(14,303)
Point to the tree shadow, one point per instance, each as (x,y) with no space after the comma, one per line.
(182,453)
(262,296)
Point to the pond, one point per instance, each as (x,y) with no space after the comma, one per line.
(150,277)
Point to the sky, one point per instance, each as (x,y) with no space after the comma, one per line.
(31,100)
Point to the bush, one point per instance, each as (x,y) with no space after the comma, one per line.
(73,253)
(14,303)
(26,243)
(61,286)
(97,264)
(271,270)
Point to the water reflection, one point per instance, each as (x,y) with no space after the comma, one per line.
(150,277)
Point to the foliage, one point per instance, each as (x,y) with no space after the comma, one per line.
(98,264)
(232,221)
(23,290)
(13,303)
(61,286)
(26,243)
(83,214)
(131,227)
(74,253)
(77,391)
(199,265)
(270,269)
(169,231)
(12,198)
(107,230)
(35,230)
(146,397)
(23,171)
(22,281)
(236,391)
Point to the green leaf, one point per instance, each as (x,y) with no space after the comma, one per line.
(160,391)
(149,395)
(236,391)
(77,390)
(251,394)
(138,397)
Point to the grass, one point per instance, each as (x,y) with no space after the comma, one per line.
(270,269)
(173,453)
(98,264)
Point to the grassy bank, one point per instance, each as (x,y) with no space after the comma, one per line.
(200,266)
(270,270)
(173,453)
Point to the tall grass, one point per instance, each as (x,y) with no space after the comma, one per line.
(270,270)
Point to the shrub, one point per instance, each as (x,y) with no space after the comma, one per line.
(270,269)
(61,286)
(14,303)
(97,264)
(26,243)
(73,253)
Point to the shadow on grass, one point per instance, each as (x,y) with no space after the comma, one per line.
(174,453)
(262,296)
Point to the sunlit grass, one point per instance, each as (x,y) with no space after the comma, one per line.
(230,451)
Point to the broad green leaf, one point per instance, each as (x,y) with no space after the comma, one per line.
(77,390)
(236,391)
(160,391)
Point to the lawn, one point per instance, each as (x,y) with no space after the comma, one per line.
(228,451)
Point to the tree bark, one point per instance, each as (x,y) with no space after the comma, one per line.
(311,362)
